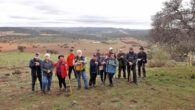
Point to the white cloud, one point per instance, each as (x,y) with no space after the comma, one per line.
(74,13)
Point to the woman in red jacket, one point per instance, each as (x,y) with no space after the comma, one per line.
(61,71)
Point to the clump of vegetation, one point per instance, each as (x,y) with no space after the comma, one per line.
(52,51)
(21,48)
(159,58)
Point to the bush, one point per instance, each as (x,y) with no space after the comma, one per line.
(21,48)
(159,58)
(51,51)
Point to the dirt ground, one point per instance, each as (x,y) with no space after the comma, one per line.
(88,46)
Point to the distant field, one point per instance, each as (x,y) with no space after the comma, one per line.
(164,89)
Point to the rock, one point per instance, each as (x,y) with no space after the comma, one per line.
(74,102)
(115,100)
(16,72)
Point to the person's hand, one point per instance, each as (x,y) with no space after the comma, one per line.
(48,71)
(139,59)
(37,63)
(96,62)
(130,63)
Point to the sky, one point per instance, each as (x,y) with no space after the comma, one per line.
(132,14)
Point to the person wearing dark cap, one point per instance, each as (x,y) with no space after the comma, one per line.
(70,60)
(36,72)
(61,71)
(131,58)
(142,60)
(122,63)
(93,69)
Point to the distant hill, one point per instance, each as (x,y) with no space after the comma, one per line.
(77,32)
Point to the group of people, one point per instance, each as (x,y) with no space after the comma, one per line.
(104,65)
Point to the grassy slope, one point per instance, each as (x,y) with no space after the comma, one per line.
(164,89)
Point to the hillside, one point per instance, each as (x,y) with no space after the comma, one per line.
(77,32)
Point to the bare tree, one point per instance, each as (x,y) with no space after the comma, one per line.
(174,27)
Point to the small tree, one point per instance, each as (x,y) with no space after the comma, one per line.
(21,48)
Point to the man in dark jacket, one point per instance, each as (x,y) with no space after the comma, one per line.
(93,71)
(142,60)
(122,63)
(131,58)
(36,72)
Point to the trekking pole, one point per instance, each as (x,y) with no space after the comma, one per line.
(70,86)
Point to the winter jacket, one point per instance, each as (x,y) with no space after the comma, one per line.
(121,59)
(82,66)
(100,63)
(70,59)
(62,65)
(93,66)
(111,65)
(142,56)
(47,66)
(35,69)
(131,57)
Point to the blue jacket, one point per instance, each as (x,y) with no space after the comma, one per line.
(111,65)
(47,66)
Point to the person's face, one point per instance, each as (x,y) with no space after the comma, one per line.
(61,58)
(79,53)
(95,58)
(141,50)
(46,57)
(130,50)
(112,56)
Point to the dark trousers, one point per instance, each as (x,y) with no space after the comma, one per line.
(141,66)
(103,75)
(70,70)
(110,76)
(61,81)
(92,80)
(133,69)
(122,68)
(34,78)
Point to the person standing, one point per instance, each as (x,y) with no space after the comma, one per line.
(80,70)
(70,60)
(36,72)
(102,68)
(111,65)
(122,63)
(142,60)
(93,69)
(131,58)
(61,71)
(47,67)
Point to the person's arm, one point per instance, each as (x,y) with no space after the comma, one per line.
(31,64)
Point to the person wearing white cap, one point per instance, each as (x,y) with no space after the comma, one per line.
(80,70)
(111,52)
(35,66)
(47,67)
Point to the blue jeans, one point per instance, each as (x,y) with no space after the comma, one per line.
(84,76)
(46,82)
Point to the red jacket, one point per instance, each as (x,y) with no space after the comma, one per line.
(63,68)
(70,59)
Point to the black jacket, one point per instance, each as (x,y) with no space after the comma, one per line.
(35,69)
(142,56)
(121,59)
(93,66)
(131,57)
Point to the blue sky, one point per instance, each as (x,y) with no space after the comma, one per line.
(134,14)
